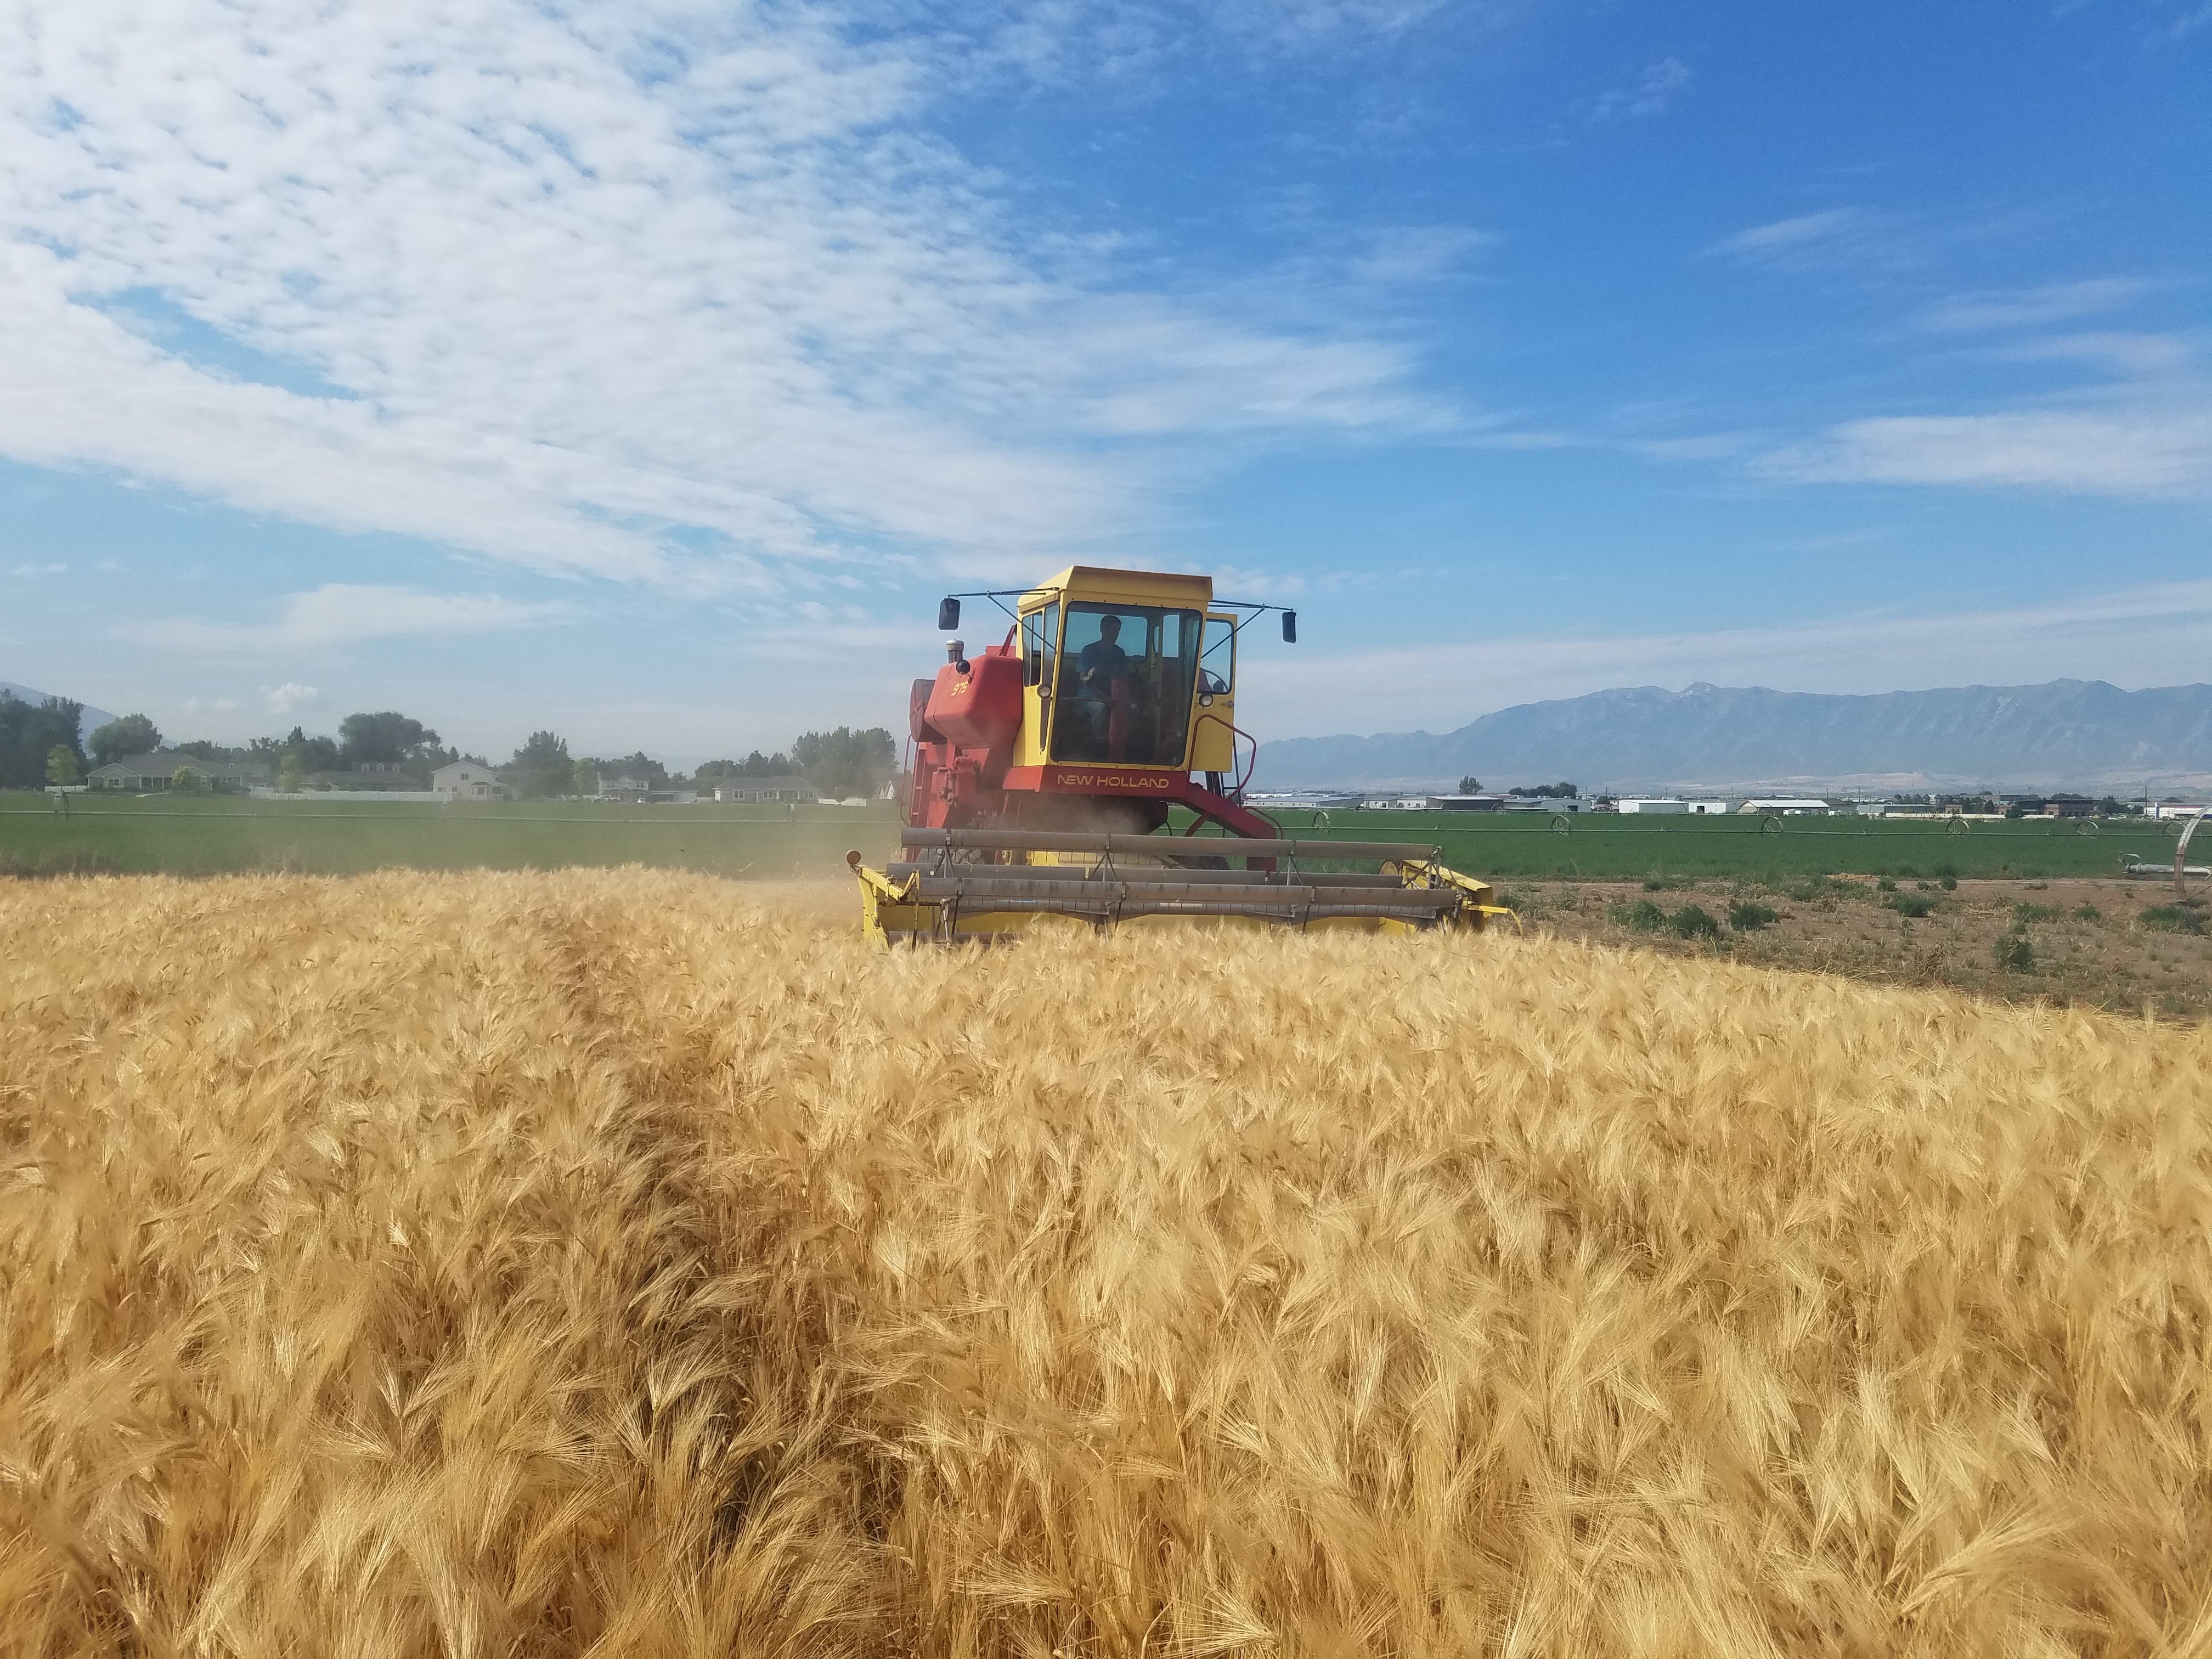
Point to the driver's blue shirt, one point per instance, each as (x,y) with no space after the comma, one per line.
(1100,654)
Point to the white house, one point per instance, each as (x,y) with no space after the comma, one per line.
(1703,809)
(467,780)
(757,790)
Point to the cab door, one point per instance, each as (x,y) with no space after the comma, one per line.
(1040,667)
(1212,738)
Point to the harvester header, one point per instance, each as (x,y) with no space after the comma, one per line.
(1046,773)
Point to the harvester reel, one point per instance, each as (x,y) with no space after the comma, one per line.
(941,890)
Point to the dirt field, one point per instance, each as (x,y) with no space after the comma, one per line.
(2087,942)
(612,1262)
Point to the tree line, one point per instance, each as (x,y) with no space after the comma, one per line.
(39,744)
(840,763)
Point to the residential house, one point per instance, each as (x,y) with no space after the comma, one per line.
(468,780)
(755,790)
(145,774)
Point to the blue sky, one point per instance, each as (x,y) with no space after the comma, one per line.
(645,371)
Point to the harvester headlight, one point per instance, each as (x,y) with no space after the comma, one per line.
(1206,700)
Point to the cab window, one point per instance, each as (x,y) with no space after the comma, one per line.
(1039,641)
(1125,680)
(1216,660)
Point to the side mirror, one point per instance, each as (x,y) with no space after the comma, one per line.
(948,614)
(1290,628)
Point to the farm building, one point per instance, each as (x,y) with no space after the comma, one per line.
(144,774)
(468,780)
(1649,805)
(1787,807)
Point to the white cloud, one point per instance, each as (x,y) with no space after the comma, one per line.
(2031,307)
(29,570)
(2153,635)
(1831,229)
(1418,253)
(290,697)
(1649,93)
(342,613)
(586,277)
(2148,451)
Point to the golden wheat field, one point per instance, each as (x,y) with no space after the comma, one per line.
(629,1264)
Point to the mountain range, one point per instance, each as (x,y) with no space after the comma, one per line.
(2065,732)
(91,720)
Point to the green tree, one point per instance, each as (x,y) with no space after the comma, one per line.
(29,733)
(847,762)
(543,766)
(119,739)
(639,767)
(289,774)
(61,765)
(317,754)
(754,765)
(186,779)
(1470,784)
(585,774)
(386,738)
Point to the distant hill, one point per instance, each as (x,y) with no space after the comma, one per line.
(2067,732)
(93,717)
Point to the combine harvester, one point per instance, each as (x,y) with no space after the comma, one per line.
(1045,768)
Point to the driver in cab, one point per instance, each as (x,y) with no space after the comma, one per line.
(1101,662)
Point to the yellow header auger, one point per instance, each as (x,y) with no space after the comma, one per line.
(1045,768)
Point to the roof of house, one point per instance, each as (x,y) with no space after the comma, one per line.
(164,762)
(788,781)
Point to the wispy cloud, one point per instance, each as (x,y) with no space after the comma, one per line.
(1651,93)
(1418,254)
(2138,426)
(2031,308)
(1827,232)
(601,287)
(341,613)
(2129,454)
(2194,16)
(2149,635)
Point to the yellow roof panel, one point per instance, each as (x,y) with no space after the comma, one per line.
(1094,581)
